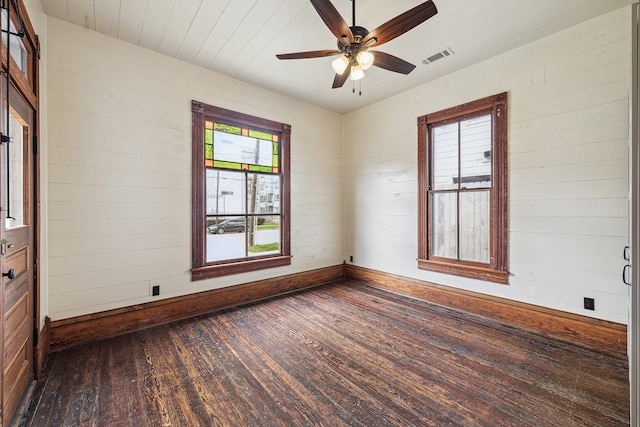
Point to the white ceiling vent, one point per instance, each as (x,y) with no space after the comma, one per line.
(437,56)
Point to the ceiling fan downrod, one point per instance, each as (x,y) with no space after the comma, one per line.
(353,12)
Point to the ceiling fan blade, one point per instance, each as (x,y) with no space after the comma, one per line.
(339,79)
(403,23)
(309,54)
(332,19)
(392,63)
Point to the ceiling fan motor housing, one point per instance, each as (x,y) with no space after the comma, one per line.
(352,49)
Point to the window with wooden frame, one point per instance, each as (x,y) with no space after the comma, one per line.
(241,189)
(22,49)
(462,180)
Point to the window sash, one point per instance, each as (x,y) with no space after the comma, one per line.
(483,181)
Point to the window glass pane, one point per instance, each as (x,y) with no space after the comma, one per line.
(18,51)
(264,235)
(445,156)
(444,225)
(242,149)
(266,189)
(15,152)
(226,238)
(225,192)
(474,226)
(475,152)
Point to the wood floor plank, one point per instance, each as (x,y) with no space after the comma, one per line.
(411,368)
(342,354)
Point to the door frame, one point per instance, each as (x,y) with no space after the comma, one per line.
(28,87)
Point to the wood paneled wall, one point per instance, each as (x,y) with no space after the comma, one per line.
(119,172)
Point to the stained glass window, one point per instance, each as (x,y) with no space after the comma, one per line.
(232,147)
(243,197)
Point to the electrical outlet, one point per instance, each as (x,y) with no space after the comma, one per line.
(589,303)
(155,290)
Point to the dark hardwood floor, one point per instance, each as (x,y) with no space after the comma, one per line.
(342,354)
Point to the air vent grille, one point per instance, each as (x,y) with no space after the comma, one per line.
(437,56)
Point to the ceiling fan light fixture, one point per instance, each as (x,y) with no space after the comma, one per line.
(356,72)
(340,64)
(365,59)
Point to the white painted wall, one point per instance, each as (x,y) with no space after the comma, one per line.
(119,172)
(568,169)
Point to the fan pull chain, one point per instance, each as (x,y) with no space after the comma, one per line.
(353,88)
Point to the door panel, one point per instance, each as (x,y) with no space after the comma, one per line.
(16,254)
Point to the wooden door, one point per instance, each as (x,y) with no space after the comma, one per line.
(17,250)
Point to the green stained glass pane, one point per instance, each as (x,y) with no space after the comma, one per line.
(260,168)
(227,128)
(227,165)
(275,154)
(208,144)
(260,135)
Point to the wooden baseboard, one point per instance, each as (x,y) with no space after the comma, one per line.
(77,330)
(606,336)
(42,349)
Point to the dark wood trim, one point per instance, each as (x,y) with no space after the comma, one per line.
(603,335)
(465,109)
(198,210)
(238,267)
(77,330)
(41,350)
(470,271)
(423,205)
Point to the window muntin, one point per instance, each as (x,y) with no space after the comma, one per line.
(243,161)
(462,175)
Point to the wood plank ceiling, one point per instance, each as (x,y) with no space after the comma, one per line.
(240,38)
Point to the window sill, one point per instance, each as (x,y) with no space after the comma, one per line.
(469,271)
(211,271)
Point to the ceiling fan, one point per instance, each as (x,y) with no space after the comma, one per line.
(354,41)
